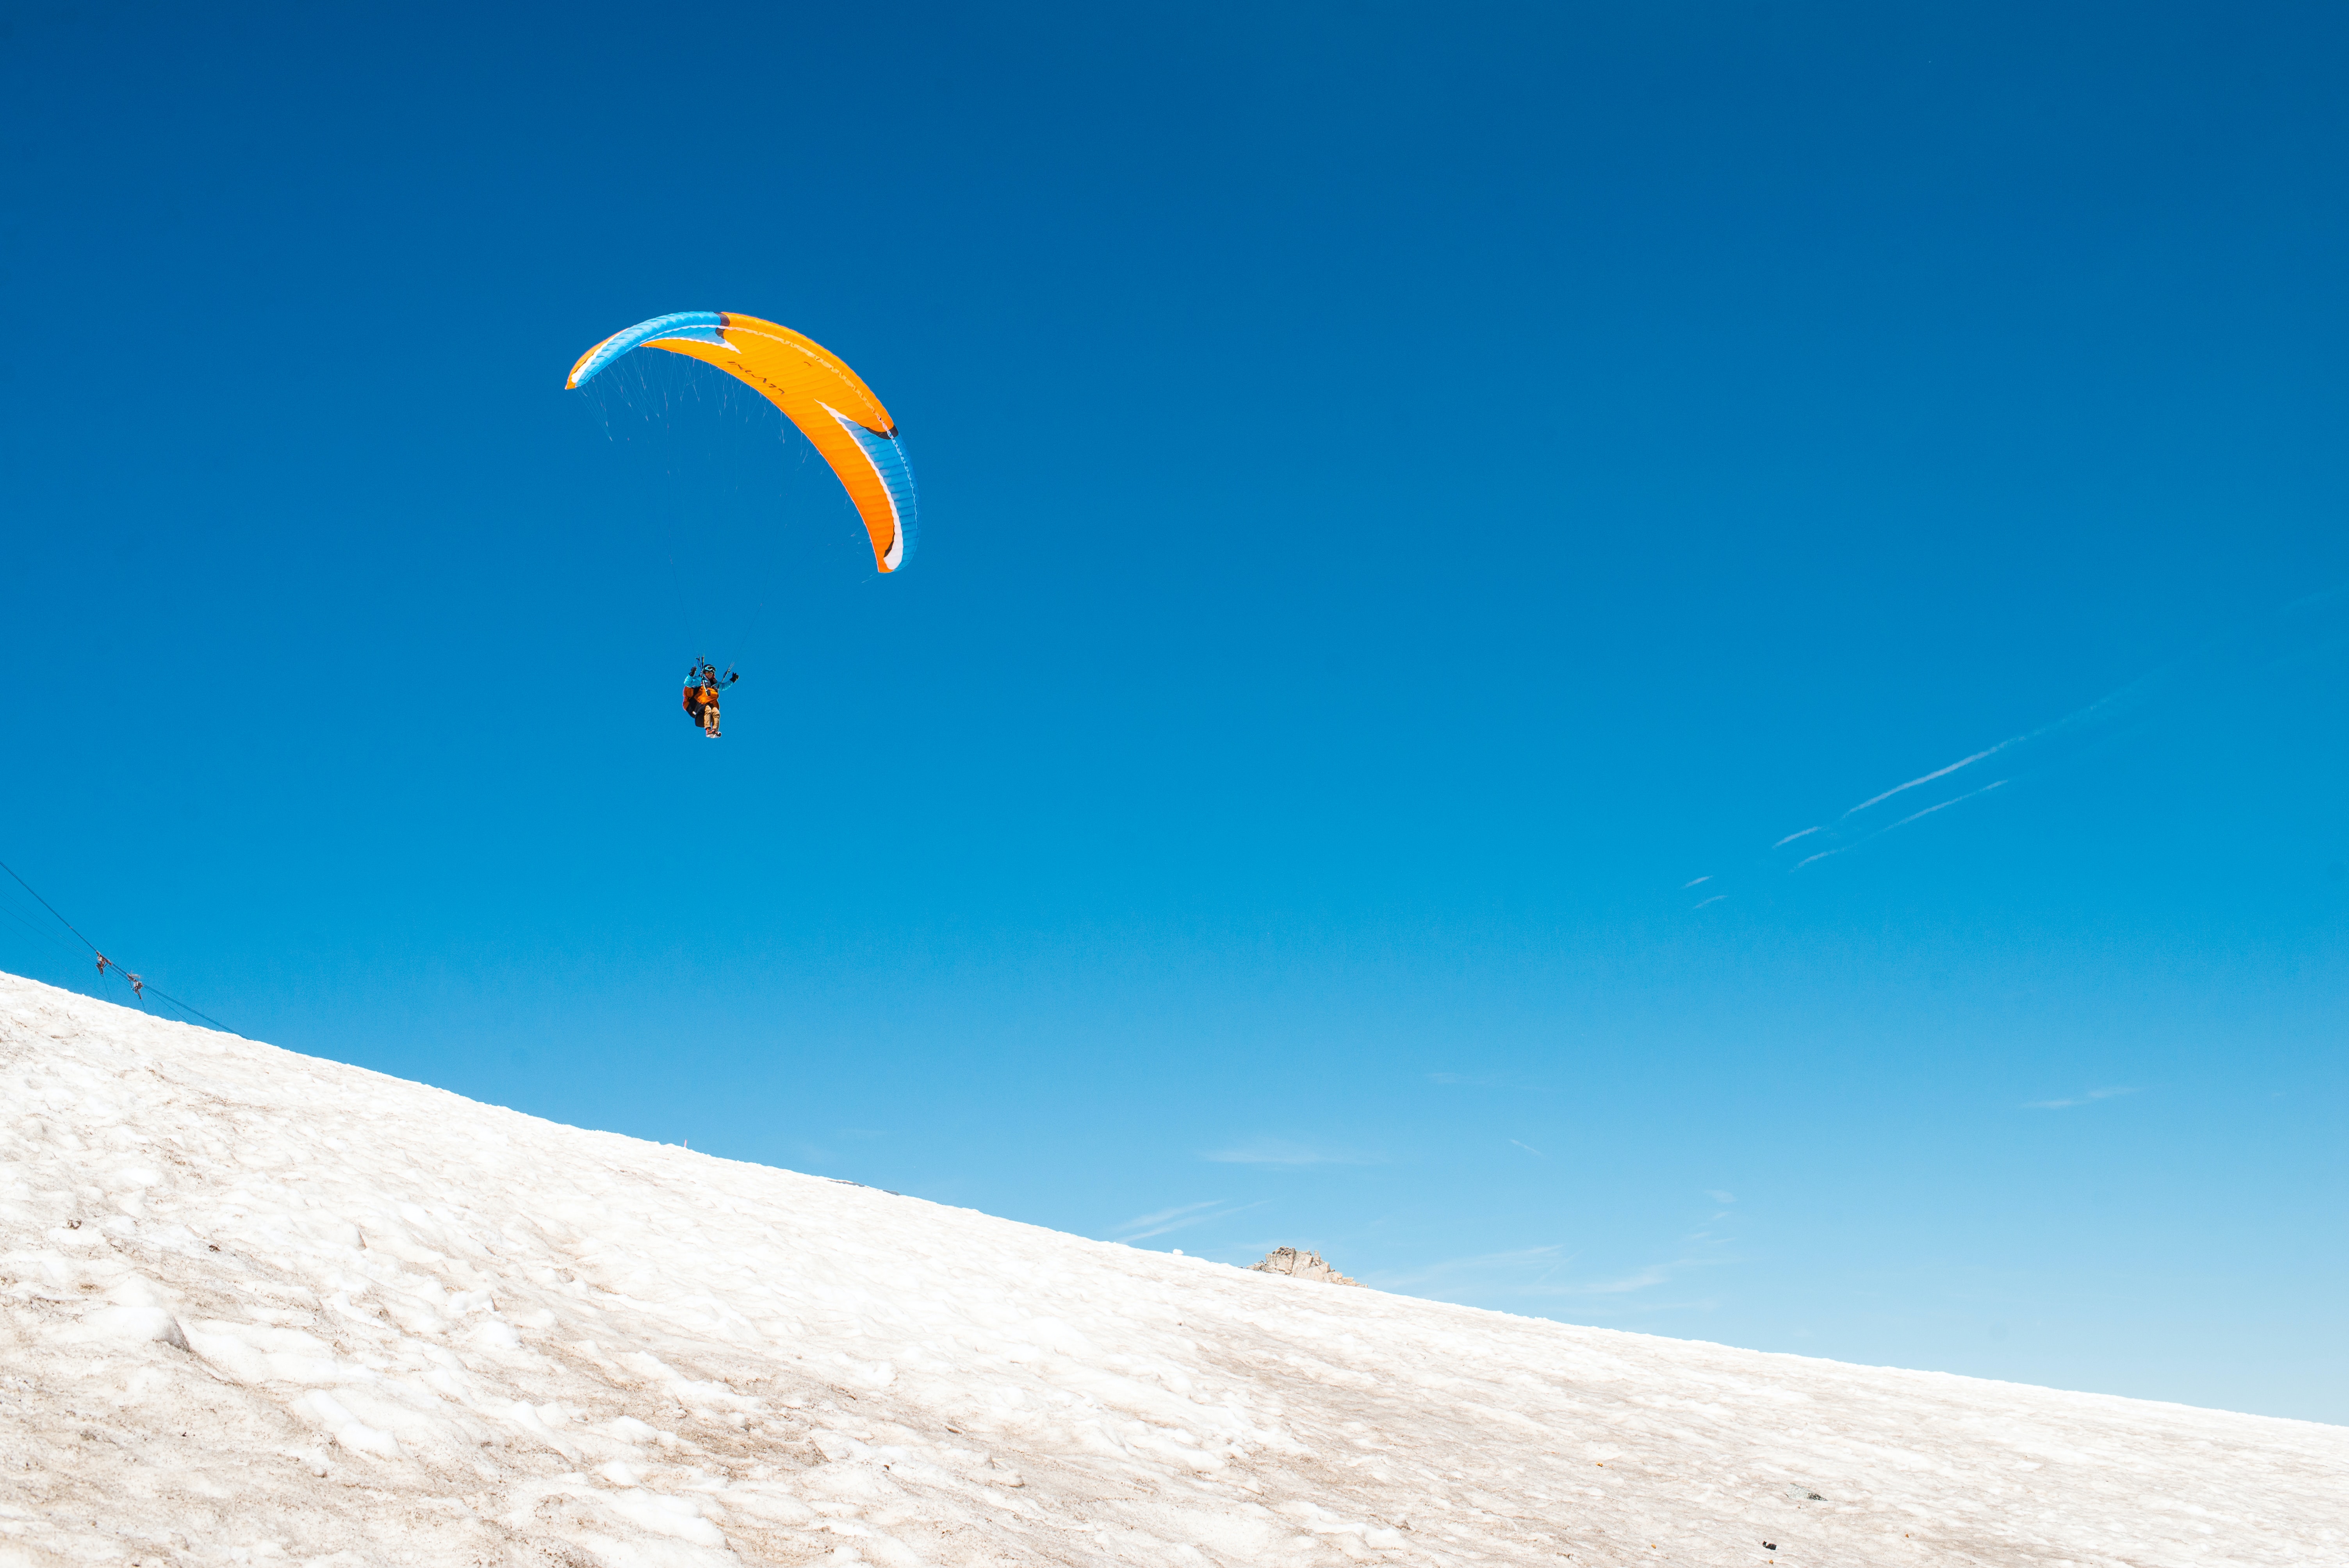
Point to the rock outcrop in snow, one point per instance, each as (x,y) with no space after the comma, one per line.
(258,1308)
(1300,1265)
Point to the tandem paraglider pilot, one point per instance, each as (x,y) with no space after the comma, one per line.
(702,685)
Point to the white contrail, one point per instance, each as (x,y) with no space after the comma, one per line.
(1693,880)
(1930,809)
(1866,837)
(1936,773)
(2300,630)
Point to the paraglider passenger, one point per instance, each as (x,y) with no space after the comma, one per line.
(701,684)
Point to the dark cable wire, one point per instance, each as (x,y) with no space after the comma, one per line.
(215,1023)
(44,903)
(104,963)
(43,931)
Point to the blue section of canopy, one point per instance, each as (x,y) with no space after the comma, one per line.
(887,456)
(701,324)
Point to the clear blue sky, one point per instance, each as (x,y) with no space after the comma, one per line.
(1402,495)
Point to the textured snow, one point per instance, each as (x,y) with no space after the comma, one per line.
(256,1307)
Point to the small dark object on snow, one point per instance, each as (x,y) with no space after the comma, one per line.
(1769,1546)
(1302,1265)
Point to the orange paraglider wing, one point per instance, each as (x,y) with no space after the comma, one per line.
(815,390)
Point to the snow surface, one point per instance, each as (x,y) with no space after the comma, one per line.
(256,1307)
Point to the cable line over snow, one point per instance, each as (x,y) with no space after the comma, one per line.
(137,983)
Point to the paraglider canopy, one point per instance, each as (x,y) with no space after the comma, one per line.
(816,391)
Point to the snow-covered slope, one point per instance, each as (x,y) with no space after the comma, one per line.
(261,1308)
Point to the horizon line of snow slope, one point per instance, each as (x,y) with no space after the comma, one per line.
(266,1307)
